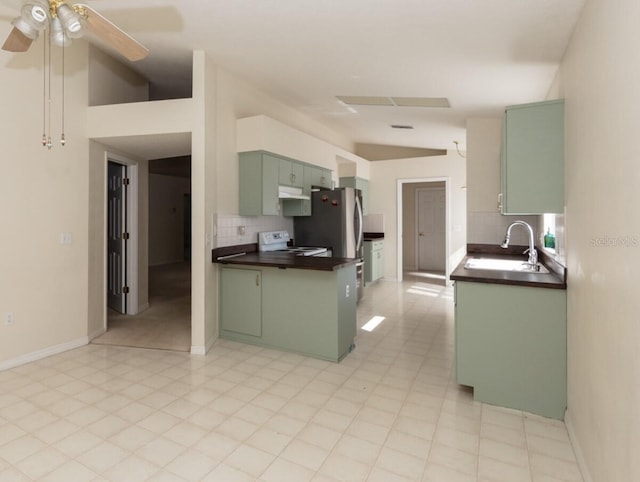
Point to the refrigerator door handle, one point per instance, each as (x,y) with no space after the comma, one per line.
(360,222)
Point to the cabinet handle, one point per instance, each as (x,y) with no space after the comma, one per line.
(257,280)
(500,202)
(292,176)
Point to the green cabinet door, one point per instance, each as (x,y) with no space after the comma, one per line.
(301,207)
(533,158)
(373,260)
(511,346)
(241,301)
(291,173)
(258,184)
(319,177)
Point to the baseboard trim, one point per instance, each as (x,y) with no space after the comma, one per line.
(203,350)
(96,334)
(44,353)
(577,449)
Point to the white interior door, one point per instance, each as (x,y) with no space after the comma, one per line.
(117,237)
(431,232)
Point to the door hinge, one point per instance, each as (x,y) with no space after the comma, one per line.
(125,236)
(125,181)
(125,290)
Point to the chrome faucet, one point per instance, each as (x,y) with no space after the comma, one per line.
(533,254)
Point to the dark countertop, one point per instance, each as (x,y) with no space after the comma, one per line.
(373,236)
(279,260)
(556,278)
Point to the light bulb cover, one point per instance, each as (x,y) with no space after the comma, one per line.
(36,12)
(58,35)
(27,28)
(70,20)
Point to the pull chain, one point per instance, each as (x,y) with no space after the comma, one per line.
(49,143)
(62,139)
(44,94)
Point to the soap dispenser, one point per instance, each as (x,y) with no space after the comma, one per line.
(549,239)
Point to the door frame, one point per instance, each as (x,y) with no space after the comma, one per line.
(132,229)
(399,217)
(417,217)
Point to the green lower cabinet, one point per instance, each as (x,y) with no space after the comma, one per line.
(304,311)
(511,346)
(373,260)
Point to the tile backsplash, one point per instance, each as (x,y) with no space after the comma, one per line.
(231,229)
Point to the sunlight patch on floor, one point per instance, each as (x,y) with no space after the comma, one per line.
(373,323)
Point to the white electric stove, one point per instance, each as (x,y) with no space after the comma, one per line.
(277,241)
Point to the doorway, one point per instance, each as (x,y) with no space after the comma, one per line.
(165,321)
(423,229)
(430,229)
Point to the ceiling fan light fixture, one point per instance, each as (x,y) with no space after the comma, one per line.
(70,20)
(27,28)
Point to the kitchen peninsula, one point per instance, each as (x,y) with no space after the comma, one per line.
(303,304)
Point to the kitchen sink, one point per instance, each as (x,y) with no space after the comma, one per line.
(499,264)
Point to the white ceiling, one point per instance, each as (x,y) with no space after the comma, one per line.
(480,54)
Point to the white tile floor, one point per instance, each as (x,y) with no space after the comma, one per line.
(391,411)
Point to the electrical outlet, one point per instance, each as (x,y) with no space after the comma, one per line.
(9,318)
(347,292)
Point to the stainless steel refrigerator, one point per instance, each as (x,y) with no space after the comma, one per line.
(335,223)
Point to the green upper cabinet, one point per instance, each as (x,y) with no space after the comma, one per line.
(533,159)
(259,178)
(358,183)
(261,173)
(317,176)
(312,176)
(291,173)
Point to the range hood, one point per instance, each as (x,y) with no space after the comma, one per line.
(289,192)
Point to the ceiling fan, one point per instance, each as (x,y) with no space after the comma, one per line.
(68,21)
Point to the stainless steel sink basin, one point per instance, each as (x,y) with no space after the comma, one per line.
(497,264)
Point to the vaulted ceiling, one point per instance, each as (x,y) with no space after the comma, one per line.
(479,55)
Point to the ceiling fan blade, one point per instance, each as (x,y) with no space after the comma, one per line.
(112,35)
(17,41)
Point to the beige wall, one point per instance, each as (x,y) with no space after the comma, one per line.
(599,79)
(111,82)
(43,193)
(384,176)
